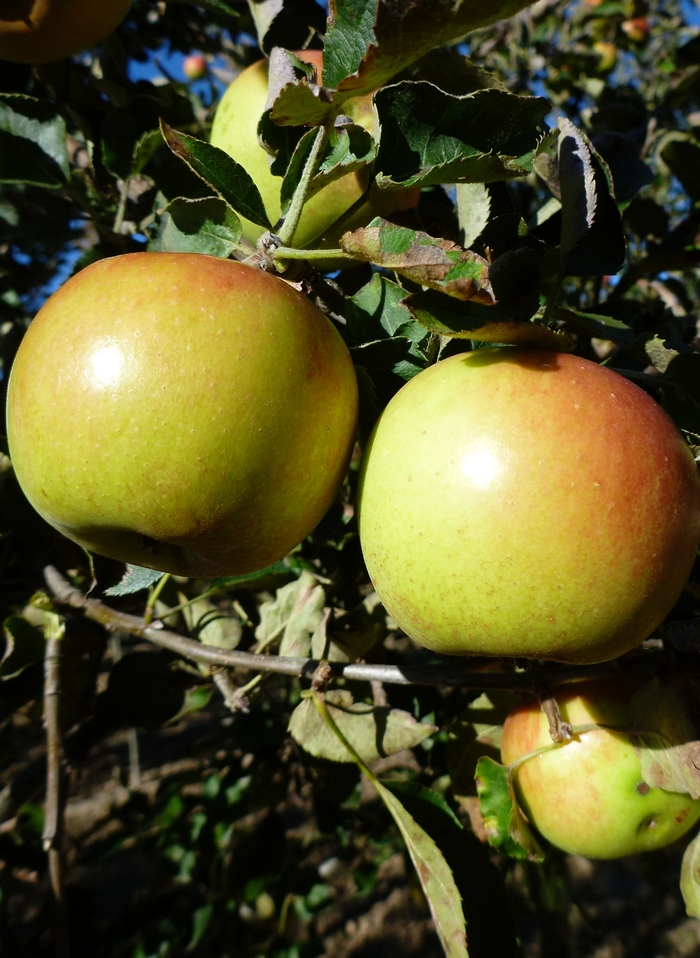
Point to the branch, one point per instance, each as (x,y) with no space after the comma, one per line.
(55,791)
(454,675)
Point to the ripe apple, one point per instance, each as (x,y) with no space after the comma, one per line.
(194,66)
(181,412)
(588,795)
(607,54)
(637,29)
(527,503)
(235,130)
(41,31)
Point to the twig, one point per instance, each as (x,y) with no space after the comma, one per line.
(447,674)
(559,730)
(132,735)
(55,789)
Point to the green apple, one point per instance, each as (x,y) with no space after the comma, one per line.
(181,412)
(235,130)
(527,503)
(588,795)
(41,31)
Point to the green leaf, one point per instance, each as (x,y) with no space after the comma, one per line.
(680,391)
(430,137)
(505,826)
(690,878)
(135,579)
(252,579)
(197,226)
(292,616)
(448,317)
(221,172)
(376,311)
(210,624)
(399,355)
(32,142)
(434,262)
(592,238)
(374,732)
(602,327)
(361,55)
(474,208)
(24,645)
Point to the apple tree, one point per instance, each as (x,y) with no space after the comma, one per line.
(217,758)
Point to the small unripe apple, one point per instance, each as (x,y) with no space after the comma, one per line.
(41,31)
(194,66)
(637,29)
(235,130)
(181,412)
(520,502)
(588,795)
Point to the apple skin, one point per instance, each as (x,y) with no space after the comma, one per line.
(637,29)
(587,796)
(181,412)
(41,31)
(235,130)
(194,66)
(521,502)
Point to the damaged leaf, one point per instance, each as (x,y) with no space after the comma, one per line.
(434,262)
(374,732)
(506,827)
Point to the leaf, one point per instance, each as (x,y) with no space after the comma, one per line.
(491,929)
(683,159)
(666,762)
(629,172)
(135,579)
(434,262)
(292,616)
(602,327)
(24,645)
(197,226)
(448,317)
(680,391)
(221,172)
(376,311)
(398,355)
(430,137)
(433,871)
(350,148)
(592,238)
(690,878)
(210,624)
(369,41)
(505,826)
(145,147)
(374,732)
(476,731)
(253,579)
(32,142)
(474,208)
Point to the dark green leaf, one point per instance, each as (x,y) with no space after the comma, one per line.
(135,579)
(32,142)
(448,317)
(376,311)
(24,645)
(221,172)
(429,136)
(602,327)
(197,226)
(683,159)
(253,578)
(592,238)
(505,826)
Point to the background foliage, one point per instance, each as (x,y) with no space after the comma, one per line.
(194,828)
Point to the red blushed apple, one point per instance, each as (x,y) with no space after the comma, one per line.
(528,503)
(182,412)
(41,31)
(588,795)
(194,67)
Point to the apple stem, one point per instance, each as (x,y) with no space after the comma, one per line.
(291,221)
(153,596)
(290,252)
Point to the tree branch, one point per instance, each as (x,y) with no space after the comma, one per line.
(448,674)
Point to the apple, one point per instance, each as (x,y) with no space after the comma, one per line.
(235,130)
(522,502)
(181,412)
(41,31)
(637,29)
(588,795)
(194,66)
